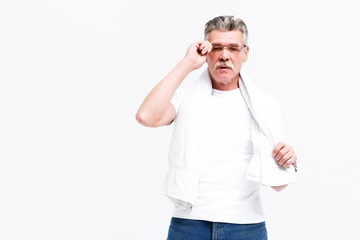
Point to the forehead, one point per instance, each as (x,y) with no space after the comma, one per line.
(225,37)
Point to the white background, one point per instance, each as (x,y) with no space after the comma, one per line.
(74,163)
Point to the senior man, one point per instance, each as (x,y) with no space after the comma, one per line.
(226,141)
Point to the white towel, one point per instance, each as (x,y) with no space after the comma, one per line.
(181,182)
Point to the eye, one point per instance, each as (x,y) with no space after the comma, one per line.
(234,49)
(217,48)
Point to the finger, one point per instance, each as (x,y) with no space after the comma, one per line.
(294,158)
(277,148)
(281,153)
(197,46)
(286,157)
(198,43)
(288,162)
(208,47)
(204,51)
(206,44)
(204,47)
(291,161)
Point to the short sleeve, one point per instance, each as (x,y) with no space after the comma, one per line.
(177,98)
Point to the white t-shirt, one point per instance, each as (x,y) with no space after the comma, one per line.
(224,194)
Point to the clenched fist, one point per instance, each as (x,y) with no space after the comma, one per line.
(196,53)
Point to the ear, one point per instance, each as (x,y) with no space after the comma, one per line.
(246,53)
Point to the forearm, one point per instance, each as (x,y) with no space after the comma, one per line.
(155,106)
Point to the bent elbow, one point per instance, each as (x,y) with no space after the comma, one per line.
(144,120)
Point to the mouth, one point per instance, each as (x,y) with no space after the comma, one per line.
(224,67)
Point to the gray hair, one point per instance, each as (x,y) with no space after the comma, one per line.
(226,23)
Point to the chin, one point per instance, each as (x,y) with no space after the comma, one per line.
(222,81)
(225,78)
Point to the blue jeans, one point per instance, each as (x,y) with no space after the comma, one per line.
(187,229)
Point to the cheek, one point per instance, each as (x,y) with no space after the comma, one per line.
(210,59)
(237,62)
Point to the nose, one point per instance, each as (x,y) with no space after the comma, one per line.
(224,55)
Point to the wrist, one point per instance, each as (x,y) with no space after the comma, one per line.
(186,65)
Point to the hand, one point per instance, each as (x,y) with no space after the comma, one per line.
(284,155)
(196,53)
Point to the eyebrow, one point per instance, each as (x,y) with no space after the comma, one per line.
(231,44)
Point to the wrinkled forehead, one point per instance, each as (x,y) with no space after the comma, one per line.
(226,37)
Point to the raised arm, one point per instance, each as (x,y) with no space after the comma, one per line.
(157,110)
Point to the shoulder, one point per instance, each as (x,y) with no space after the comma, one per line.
(185,89)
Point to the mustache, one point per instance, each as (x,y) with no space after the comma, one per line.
(224,63)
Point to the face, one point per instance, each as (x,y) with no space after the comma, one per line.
(226,58)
